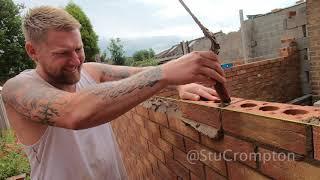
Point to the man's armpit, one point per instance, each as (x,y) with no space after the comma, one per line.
(34,101)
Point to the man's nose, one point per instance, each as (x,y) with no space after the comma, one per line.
(75,58)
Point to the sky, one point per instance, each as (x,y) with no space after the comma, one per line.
(161,23)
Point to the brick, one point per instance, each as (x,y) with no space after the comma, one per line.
(165,173)
(316,142)
(142,111)
(156,152)
(200,113)
(238,171)
(196,166)
(166,148)
(180,127)
(211,158)
(194,177)
(267,130)
(159,117)
(177,168)
(172,137)
(280,166)
(138,119)
(231,146)
(212,175)
(153,128)
(152,159)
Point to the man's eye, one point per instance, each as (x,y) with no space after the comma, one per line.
(78,49)
(62,53)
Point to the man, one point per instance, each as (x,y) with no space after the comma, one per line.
(60,110)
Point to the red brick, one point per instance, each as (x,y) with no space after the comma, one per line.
(165,173)
(156,151)
(283,134)
(195,166)
(142,111)
(180,127)
(212,175)
(153,128)
(211,158)
(159,117)
(316,142)
(177,168)
(138,119)
(231,146)
(152,159)
(145,133)
(166,148)
(200,113)
(172,137)
(280,166)
(238,171)
(194,177)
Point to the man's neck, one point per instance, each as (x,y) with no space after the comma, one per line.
(64,87)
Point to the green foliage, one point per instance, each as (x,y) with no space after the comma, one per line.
(89,37)
(117,53)
(146,62)
(143,63)
(104,57)
(12,159)
(13,58)
(144,54)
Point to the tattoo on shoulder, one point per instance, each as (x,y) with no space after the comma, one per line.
(34,103)
(141,80)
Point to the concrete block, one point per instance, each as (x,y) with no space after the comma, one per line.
(291,23)
(302,43)
(296,32)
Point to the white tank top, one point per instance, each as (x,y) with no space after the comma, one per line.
(63,154)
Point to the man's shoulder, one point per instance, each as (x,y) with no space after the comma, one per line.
(20,82)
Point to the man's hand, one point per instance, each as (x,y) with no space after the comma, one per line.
(198,66)
(195,91)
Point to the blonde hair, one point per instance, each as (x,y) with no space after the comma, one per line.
(38,21)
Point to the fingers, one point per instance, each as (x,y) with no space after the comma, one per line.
(190,96)
(213,74)
(209,55)
(213,65)
(211,91)
(203,93)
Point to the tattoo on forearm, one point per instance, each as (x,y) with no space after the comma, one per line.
(115,89)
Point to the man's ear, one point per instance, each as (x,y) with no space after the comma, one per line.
(31,51)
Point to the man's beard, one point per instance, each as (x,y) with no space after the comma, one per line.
(67,77)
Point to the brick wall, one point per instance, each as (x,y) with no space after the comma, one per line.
(276,80)
(281,140)
(313,18)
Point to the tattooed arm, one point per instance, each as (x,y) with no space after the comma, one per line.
(88,108)
(104,102)
(107,72)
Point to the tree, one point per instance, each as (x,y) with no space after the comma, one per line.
(116,50)
(104,57)
(13,57)
(143,54)
(89,37)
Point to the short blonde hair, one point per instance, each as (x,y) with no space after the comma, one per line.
(38,21)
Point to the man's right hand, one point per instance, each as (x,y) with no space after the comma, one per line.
(198,66)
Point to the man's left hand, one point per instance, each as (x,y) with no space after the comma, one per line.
(194,91)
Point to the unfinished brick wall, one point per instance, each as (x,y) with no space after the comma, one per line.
(156,137)
(275,80)
(313,18)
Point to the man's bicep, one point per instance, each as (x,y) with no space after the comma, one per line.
(35,101)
